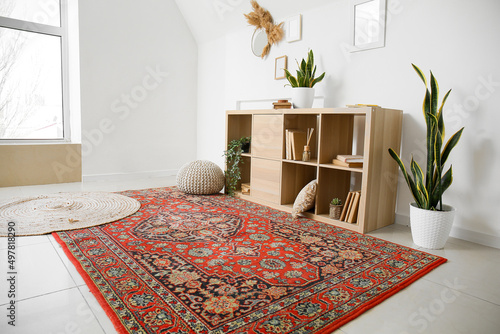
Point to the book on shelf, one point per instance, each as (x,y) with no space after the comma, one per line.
(351,207)
(295,142)
(350,158)
(358,105)
(282,104)
(299,140)
(346,206)
(287,140)
(353,213)
(347,164)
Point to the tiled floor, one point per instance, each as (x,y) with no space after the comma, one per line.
(461,296)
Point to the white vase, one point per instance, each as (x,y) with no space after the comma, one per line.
(302,97)
(431,229)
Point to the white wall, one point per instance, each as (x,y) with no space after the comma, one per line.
(138,88)
(455,39)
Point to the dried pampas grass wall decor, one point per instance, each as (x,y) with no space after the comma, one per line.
(262,19)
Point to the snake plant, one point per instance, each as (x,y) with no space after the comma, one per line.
(428,189)
(305,74)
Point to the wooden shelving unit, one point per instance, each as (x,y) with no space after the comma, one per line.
(276,181)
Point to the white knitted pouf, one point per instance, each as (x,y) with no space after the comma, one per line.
(200,177)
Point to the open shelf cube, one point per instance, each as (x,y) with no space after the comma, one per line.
(335,183)
(302,122)
(341,134)
(294,178)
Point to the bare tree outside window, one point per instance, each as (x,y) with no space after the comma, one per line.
(30,75)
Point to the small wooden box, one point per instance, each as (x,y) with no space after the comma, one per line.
(245,188)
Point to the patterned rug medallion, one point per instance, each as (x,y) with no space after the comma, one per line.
(217,264)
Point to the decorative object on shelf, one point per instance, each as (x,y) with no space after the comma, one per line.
(305,199)
(335,208)
(306,155)
(245,188)
(302,85)
(245,145)
(200,177)
(428,189)
(367,24)
(282,104)
(233,160)
(280,65)
(264,29)
(294,28)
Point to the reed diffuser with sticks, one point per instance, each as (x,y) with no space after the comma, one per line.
(306,156)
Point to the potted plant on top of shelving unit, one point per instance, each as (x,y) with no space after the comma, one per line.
(233,159)
(302,85)
(430,219)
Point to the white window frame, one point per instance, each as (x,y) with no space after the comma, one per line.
(62,32)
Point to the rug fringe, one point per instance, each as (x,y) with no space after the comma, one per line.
(120,328)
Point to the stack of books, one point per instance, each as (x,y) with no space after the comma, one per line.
(295,140)
(350,211)
(353,161)
(282,104)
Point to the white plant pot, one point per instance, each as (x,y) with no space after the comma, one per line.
(430,229)
(302,97)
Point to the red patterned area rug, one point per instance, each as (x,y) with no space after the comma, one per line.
(217,264)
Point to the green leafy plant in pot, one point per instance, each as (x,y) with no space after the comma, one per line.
(233,160)
(335,208)
(430,219)
(303,83)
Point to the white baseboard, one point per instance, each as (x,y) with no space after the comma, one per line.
(129,176)
(476,237)
(460,233)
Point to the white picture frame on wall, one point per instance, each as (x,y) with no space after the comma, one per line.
(293,28)
(367,24)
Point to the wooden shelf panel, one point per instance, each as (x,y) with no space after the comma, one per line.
(313,162)
(344,110)
(267,136)
(349,169)
(340,223)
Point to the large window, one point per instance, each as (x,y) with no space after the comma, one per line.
(33,70)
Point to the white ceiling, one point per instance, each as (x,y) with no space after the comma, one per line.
(211,19)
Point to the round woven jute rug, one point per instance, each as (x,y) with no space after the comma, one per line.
(63,211)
